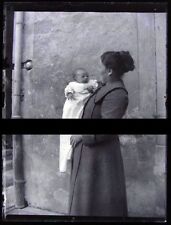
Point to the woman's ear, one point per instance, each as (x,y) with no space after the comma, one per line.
(109,72)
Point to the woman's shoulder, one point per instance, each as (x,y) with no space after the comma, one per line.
(116,88)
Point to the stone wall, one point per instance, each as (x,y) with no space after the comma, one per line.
(145,164)
(59,42)
(144,161)
(46,187)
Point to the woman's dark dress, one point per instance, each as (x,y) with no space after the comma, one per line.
(97,175)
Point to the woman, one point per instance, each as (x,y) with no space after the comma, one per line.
(97,175)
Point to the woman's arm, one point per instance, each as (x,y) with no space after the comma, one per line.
(96,138)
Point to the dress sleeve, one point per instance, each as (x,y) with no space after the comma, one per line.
(113,106)
(68,89)
(96,138)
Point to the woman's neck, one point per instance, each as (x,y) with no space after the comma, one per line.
(113,78)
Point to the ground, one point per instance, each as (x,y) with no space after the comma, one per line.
(31,211)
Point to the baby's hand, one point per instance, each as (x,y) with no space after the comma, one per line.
(90,89)
(70,96)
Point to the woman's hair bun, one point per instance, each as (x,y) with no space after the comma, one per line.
(127,60)
(120,60)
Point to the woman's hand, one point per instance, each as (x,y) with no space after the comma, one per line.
(70,96)
(90,89)
(75,139)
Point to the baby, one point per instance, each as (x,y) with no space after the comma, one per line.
(77,93)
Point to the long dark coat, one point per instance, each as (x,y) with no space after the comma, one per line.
(97,174)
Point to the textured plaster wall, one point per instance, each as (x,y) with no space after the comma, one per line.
(59,42)
(144,161)
(145,174)
(45,187)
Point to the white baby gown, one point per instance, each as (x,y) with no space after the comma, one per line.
(73,109)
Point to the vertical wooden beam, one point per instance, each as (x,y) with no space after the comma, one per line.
(147,64)
(7,56)
(8,28)
(160,31)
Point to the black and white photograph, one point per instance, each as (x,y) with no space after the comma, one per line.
(110,60)
(75,61)
(99,175)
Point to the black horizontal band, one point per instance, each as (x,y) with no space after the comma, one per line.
(82,219)
(88,6)
(85,126)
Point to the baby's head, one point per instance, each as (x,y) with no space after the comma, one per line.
(81,75)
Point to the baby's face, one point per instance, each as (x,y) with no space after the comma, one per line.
(81,76)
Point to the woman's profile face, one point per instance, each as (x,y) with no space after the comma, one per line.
(103,74)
